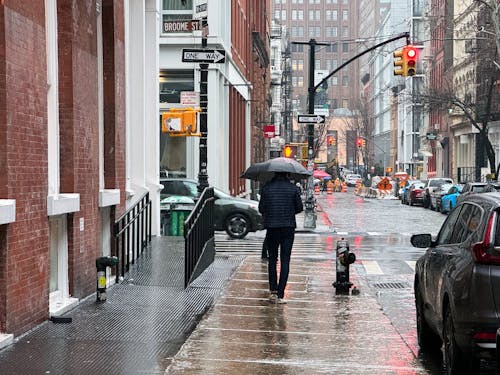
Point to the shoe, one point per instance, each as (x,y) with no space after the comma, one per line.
(273,298)
(281,301)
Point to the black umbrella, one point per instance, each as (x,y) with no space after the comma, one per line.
(265,171)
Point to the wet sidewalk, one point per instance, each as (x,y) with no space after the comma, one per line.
(316,332)
(143,323)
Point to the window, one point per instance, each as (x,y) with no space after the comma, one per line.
(446,232)
(334,47)
(345,80)
(300,82)
(335,64)
(345,31)
(318,30)
(318,15)
(311,15)
(345,15)
(294,14)
(175,10)
(345,47)
(311,31)
(334,80)
(277,14)
(334,31)
(300,31)
(335,15)
(317,64)
(300,15)
(283,14)
(345,103)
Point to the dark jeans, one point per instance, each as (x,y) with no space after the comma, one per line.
(281,238)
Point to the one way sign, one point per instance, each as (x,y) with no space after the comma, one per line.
(203,55)
(311,119)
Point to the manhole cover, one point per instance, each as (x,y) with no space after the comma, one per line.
(390,285)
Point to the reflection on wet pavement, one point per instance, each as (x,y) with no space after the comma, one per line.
(317,332)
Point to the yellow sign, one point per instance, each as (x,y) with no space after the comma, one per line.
(384,184)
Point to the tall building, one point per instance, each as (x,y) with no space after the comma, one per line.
(334,22)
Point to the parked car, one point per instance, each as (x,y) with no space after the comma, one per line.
(352,179)
(415,194)
(430,185)
(435,196)
(236,216)
(492,187)
(449,200)
(404,190)
(471,188)
(457,284)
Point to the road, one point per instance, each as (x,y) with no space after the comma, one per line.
(378,231)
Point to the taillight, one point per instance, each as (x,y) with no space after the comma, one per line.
(486,336)
(483,251)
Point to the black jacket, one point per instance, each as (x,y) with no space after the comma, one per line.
(279,203)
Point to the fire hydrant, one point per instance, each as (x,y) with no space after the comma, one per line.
(101,264)
(343,261)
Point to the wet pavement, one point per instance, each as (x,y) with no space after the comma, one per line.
(316,332)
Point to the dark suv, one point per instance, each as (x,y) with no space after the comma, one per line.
(236,216)
(457,284)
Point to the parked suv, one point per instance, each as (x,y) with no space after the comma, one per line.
(430,185)
(457,284)
(236,216)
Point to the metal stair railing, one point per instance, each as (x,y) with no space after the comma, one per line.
(199,237)
(132,234)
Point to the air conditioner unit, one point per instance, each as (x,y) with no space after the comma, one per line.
(436,126)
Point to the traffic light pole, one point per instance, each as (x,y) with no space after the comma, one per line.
(310,204)
(202,171)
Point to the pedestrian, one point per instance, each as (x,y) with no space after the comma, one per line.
(279,203)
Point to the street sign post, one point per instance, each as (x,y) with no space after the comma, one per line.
(204,55)
(311,119)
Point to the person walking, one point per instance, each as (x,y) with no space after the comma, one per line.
(280,201)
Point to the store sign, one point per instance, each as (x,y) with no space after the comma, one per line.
(180,26)
(268,131)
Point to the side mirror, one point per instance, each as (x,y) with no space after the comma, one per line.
(421,240)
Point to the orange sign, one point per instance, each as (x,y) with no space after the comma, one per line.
(384,184)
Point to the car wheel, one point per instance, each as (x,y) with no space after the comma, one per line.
(428,340)
(237,225)
(455,362)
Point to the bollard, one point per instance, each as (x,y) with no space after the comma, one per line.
(343,260)
(101,263)
(498,350)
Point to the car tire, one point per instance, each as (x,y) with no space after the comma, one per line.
(428,340)
(455,361)
(237,225)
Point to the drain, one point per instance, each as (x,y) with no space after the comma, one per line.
(390,285)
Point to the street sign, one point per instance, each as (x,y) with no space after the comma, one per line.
(203,55)
(181,26)
(200,9)
(311,119)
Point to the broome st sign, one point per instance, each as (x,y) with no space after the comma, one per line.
(181,26)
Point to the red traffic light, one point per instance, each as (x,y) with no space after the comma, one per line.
(411,60)
(359,142)
(330,140)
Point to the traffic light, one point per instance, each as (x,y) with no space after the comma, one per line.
(399,63)
(288,151)
(405,60)
(180,121)
(330,140)
(410,61)
(363,142)
(359,142)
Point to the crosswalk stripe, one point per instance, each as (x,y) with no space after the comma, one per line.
(372,267)
(411,264)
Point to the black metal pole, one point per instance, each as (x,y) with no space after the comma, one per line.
(202,173)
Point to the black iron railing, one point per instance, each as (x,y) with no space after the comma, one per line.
(199,237)
(468,174)
(132,233)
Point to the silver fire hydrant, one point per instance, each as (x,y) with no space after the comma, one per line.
(344,259)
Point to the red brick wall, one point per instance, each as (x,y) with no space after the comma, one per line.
(23,169)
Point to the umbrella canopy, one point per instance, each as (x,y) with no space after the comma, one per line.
(318,173)
(265,171)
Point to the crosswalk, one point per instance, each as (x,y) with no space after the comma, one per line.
(370,262)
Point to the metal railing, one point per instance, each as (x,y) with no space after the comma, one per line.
(468,174)
(132,233)
(199,237)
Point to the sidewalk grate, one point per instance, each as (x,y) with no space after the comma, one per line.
(390,285)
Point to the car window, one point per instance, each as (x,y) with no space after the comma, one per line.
(446,232)
(478,189)
(467,224)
